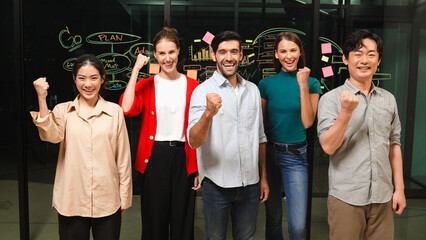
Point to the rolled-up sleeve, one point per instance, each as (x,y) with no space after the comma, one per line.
(50,128)
(262,135)
(395,134)
(327,113)
(196,109)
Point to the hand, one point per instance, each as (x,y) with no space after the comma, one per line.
(303,76)
(197,183)
(41,87)
(264,190)
(398,202)
(349,101)
(141,61)
(214,102)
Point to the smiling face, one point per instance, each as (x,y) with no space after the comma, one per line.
(362,63)
(167,53)
(88,82)
(288,53)
(227,58)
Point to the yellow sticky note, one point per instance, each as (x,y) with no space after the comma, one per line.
(324,58)
(192,74)
(154,68)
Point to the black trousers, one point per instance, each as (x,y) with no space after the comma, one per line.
(167,200)
(104,228)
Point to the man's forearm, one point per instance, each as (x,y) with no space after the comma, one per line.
(262,160)
(395,158)
(333,137)
(200,131)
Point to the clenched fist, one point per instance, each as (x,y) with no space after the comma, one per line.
(349,101)
(303,76)
(141,61)
(214,102)
(41,87)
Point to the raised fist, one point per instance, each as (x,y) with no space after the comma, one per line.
(141,61)
(349,101)
(214,102)
(303,76)
(41,87)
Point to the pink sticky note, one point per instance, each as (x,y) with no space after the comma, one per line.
(326,48)
(327,71)
(208,37)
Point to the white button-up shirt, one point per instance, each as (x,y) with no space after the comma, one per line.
(230,156)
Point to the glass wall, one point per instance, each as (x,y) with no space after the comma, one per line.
(9,199)
(418,168)
(257,33)
(55,33)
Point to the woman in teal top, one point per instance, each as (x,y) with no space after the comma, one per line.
(289,104)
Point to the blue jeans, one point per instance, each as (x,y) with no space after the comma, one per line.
(241,203)
(292,169)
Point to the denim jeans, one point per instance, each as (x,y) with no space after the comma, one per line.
(292,169)
(241,203)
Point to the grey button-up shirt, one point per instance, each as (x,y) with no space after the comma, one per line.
(360,172)
(230,156)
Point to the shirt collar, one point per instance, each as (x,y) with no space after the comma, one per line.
(355,90)
(221,80)
(101,106)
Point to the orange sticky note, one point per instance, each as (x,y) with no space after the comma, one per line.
(192,74)
(327,71)
(154,68)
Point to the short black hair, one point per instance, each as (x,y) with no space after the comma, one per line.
(354,42)
(87,59)
(90,59)
(225,36)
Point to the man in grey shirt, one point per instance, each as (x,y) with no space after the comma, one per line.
(225,125)
(359,127)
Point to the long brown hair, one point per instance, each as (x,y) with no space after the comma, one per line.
(289,36)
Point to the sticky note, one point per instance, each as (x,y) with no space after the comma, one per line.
(327,71)
(208,37)
(324,58)
(192,74)
(154,68)
(326,48)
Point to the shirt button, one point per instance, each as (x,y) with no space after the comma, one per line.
(146,160)
(374,164)
(152,112)
(371,134)
(151,137)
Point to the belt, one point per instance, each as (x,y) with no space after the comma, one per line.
(292,147)
(170,143)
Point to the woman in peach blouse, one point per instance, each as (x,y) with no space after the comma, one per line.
(93,183)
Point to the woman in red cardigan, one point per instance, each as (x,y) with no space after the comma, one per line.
(167,163)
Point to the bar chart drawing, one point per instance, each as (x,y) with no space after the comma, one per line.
(202,55)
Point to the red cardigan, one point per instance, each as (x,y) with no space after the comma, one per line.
(145,102)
